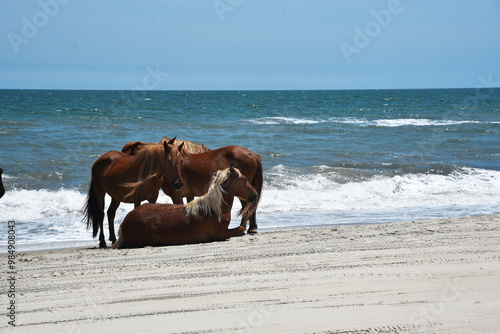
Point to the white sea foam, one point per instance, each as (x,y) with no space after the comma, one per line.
(398,122)
(320,192)
(283,120)
(44,216)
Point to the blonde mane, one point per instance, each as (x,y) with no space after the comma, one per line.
(209,205)
(189,147)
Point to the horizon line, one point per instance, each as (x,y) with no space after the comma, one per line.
(240,90)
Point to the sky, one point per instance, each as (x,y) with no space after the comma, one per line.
(249,44)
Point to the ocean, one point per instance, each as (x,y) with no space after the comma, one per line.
(329,157)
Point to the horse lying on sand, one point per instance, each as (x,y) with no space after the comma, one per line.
(129,179)
(203,220)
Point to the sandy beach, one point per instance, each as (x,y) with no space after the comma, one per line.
(430,276)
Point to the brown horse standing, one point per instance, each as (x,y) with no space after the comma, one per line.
(205,219)
(196,171)
(2,189)
(128,179)
(131,148)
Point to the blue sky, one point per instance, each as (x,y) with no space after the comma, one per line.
(249,44)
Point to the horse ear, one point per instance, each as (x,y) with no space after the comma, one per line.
(172,141)
(180,147)
(233,171)
(167,148)
(133,148)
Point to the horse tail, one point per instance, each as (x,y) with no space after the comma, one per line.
(2,189)
(91,213)
(257,183)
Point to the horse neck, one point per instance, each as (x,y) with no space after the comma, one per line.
(148,163)
(209,205)
(227,205)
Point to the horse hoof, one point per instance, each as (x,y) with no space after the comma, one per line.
(102,245)
(252,231)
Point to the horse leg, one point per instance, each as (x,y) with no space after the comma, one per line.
(136,204)
(189,199)
(102,240)
(232,232)
(153,199)
(253,223)
(99,195)
(111,219)
(243,220)
(176,199)
(253,219)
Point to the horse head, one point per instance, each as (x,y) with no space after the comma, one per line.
(172,170)
(237,185)
(132,147)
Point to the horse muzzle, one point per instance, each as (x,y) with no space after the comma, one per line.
(177,184)
(252,198)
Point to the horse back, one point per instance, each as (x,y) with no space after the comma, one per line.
(112,160)
(243,159)
(237,157)
(111,171)
(198,169)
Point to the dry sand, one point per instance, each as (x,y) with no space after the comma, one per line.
(432,276)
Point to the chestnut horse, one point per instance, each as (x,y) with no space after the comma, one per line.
(203,220)
(118,174)
(2,189)
(196,171)
(131,148)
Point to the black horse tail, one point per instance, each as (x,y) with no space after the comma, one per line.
(2,189)
(257,183)
(91,213)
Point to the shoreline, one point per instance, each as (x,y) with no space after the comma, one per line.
(94,243)
(430,276)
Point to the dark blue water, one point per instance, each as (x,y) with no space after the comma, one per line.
(329,156)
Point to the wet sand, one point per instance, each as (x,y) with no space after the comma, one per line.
(430,276)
